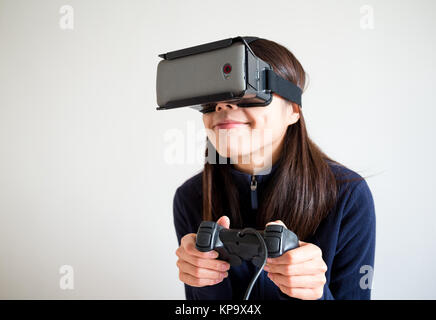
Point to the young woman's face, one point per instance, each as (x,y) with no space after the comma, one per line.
(257,135)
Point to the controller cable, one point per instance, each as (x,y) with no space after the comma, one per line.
(264,254)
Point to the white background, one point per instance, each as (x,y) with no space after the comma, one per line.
(83,176)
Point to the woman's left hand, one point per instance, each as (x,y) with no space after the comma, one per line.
(299,273)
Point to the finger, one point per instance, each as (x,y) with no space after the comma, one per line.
(311,282)
(279,222)
(196,282)
(303,293)
(310,267)
(224,221)
(188,244)
(301,254)
(213,264)
(197,272)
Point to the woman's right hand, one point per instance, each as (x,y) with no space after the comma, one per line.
(199,269)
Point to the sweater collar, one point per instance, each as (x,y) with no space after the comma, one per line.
(260,176)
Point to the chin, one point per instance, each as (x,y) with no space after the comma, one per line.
(235,154)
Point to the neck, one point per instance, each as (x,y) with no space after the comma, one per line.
(259,160)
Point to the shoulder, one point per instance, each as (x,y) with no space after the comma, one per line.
(355,199)
(342,172)
(347,179)
(191,187)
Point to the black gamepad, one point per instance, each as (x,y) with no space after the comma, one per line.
(234,246)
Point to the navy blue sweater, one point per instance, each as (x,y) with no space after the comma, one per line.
(346,237)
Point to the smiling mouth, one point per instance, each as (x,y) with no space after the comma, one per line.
(231,125)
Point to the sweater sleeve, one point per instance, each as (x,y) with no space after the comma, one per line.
(179,216)
(353,264)
(186,221)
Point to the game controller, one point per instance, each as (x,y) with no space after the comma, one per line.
(235,245)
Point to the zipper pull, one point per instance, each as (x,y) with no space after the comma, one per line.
(253,185)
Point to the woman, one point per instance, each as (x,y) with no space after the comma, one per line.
(328,206)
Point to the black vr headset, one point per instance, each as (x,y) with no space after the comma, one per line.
(225,71)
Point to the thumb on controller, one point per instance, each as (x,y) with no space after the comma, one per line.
(279,222)
(224,221)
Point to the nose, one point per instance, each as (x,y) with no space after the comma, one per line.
(225,106)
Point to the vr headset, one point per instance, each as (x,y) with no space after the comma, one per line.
(225,71)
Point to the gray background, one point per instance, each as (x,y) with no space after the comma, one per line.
(84,179)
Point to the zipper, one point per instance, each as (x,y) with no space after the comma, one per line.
(253,187)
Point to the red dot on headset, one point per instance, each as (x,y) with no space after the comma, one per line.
(227,68)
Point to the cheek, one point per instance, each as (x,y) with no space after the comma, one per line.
(263,130)
(207,120)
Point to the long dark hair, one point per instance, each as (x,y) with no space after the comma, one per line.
(303,188)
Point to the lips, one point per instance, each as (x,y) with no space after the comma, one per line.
(230,124)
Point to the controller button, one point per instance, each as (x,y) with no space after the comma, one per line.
(273,244)
(274,228)
(203,239)
(207,224)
